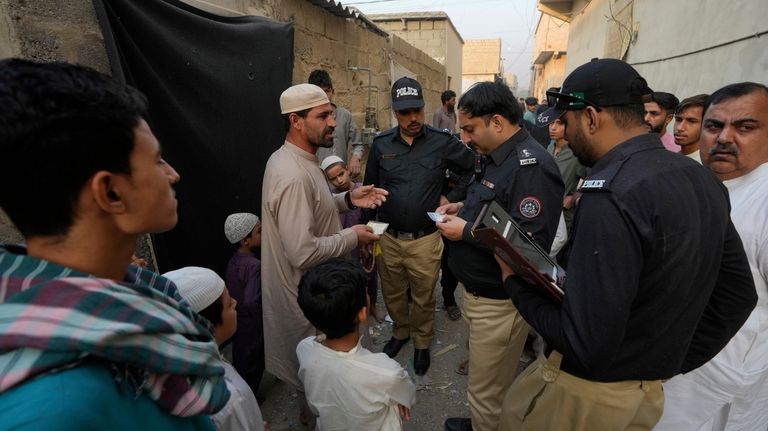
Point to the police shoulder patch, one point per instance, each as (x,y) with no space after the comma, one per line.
(593,184)
(530,207)
(526,157)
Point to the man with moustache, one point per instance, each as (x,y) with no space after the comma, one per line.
(300,223)
(687,127)
(731,390)
(445,116)
(657,280)
(519,175)
(409,161)
(659,111)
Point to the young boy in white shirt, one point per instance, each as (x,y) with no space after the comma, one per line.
(347,386)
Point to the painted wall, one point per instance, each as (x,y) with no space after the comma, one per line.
(661,29)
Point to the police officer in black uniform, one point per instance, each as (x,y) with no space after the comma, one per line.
(657,280)
(410,161)
(515,171)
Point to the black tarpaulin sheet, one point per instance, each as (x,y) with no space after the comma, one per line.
(213,85)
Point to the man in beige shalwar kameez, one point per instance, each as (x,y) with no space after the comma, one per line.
(300,223)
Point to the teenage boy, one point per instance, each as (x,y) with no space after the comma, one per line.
(87,342)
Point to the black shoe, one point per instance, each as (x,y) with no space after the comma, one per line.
(458,424)
(420,361)
(393,346)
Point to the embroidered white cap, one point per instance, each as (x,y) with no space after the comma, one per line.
(330,160)
(237,226)
(201,287)
(301,97)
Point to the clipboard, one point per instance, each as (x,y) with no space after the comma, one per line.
(496,229)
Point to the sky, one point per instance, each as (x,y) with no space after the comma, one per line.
(514,21)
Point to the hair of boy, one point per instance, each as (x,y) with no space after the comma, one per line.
(321,78)
(447,95)
(699,100)
(60,124)
(485,99)
(331,295)
(733,91)
(530,101)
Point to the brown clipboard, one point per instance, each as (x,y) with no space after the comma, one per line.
(495,228)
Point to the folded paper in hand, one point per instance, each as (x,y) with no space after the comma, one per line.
(496,229)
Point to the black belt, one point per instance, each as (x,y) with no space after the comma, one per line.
(403,235)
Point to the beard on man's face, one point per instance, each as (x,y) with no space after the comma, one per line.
(325,140)
(654,129)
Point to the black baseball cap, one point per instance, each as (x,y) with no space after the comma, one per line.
(406,93)
(599,83)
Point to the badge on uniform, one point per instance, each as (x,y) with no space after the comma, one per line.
(530,207)
(526,157)
(489,184)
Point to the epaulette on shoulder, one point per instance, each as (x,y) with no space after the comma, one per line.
(384,133)
(435,129)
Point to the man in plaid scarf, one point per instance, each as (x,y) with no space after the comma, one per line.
(87,342)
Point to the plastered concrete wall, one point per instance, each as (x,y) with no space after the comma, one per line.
(549,74)
(665,29)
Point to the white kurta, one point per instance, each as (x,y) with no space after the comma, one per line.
(300,229)
(356,390)
(732,388)
(241,411)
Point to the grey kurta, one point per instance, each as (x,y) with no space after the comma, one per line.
(300,229)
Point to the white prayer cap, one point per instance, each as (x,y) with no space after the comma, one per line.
(201,287)
(301,97)
(239,225)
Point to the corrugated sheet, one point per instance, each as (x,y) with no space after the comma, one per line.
(342,11)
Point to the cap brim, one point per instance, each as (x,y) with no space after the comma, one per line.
(548,116)
(407,104)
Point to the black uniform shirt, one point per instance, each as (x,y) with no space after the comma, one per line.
(414,174)
(654,260)
(525,181)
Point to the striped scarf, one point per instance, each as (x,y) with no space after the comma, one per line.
(52,317)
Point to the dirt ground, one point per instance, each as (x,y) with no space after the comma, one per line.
(441,393)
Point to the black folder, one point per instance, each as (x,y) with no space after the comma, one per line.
(496,229)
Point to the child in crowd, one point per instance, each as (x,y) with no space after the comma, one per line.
(347,386)
(340,181)
(206,295)
(243,278)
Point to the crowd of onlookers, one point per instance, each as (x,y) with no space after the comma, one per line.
(662,235)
